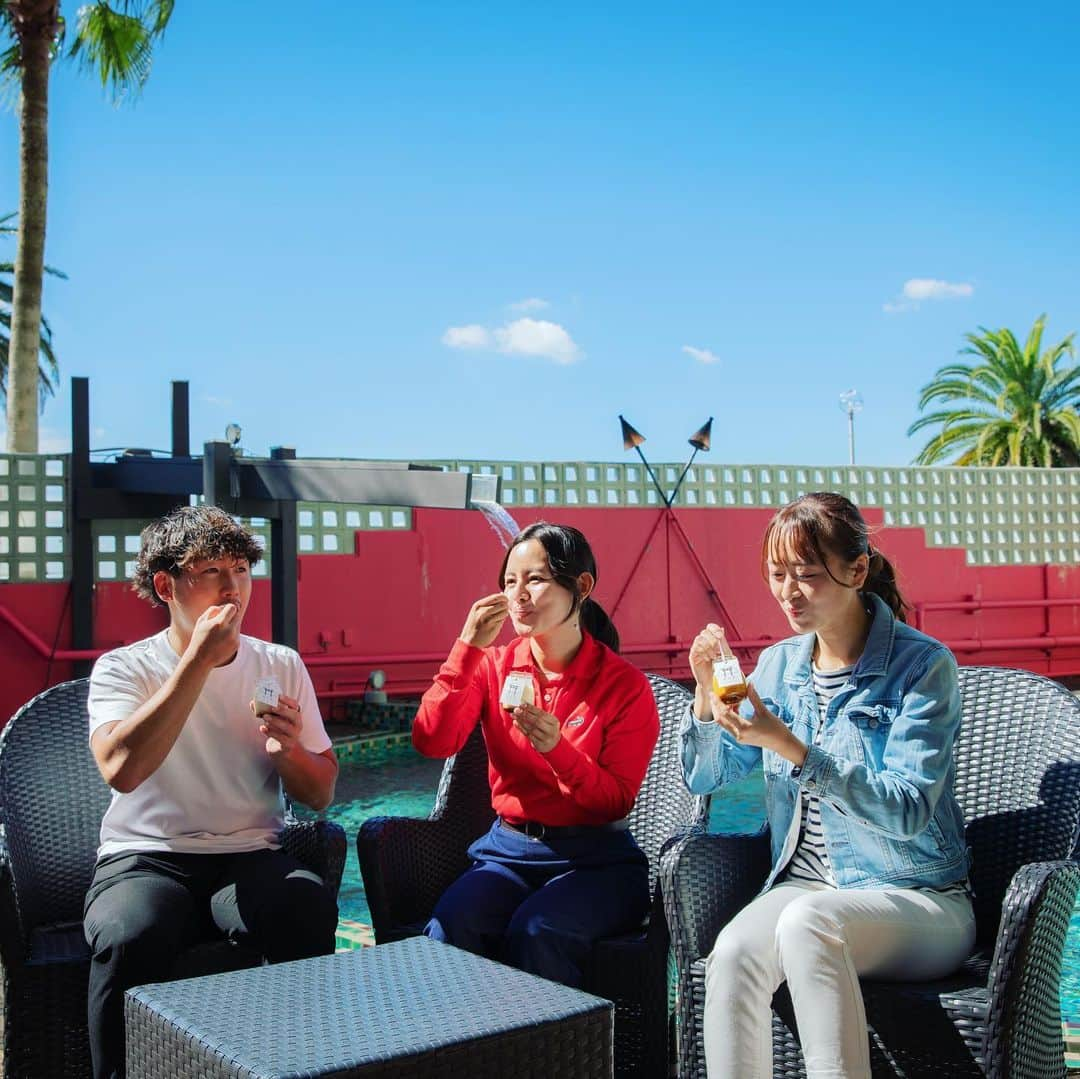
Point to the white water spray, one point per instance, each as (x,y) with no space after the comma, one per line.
(502,524)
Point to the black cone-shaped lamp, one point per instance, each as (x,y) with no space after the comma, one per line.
(701,437)
(631,438)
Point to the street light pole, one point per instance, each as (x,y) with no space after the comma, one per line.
(851,402)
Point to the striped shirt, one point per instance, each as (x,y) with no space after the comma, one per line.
(811,860)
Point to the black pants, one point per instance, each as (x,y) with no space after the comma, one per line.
(143,909)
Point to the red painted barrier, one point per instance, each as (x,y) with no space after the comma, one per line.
(399,600)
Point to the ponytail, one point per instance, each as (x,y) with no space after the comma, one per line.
(881,580)
(825,522)
(569,556)
(595,622)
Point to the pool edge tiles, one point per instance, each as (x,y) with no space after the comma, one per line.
(373,746)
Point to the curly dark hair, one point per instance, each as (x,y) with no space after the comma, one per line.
(189,534)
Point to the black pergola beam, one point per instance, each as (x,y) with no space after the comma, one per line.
(143,486)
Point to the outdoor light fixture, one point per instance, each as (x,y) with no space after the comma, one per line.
(851,402)
(700,440)
(232,434)
(373,688)
(631,439)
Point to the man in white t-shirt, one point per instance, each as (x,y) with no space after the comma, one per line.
(189,843)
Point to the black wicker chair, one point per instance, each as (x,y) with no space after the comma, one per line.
(408,863)
(1018,783)
(51,802)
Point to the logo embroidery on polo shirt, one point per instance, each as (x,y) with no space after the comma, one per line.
(576,722)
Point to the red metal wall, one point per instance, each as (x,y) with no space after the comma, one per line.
(400,599)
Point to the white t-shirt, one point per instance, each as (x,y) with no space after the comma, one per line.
(217,791)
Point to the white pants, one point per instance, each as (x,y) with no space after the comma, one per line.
(820,940)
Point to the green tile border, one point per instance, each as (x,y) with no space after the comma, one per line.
(998,516)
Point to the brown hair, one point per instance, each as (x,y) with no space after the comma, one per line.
(825,523)
(189,534)
(569,555)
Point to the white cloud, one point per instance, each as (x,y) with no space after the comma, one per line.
(702,355)
(471,336)
(918,289)
(537,337)
(929,288)
(221,402)
(533,303)
(522,337)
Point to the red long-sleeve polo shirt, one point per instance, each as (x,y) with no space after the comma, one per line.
(608,724)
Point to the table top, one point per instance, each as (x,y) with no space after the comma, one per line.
(360,1006)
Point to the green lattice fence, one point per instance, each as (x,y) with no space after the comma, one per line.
(999,516)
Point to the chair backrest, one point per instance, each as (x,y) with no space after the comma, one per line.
(663,806)
(52,799)
(463,799)
(1017,778)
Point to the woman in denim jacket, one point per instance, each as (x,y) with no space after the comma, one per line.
(854,721)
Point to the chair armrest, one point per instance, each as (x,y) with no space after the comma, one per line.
(705,880)
(1023,1035)
(13,943)
(406,863)
(320,845)
(657,929)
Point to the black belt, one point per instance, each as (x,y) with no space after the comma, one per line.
(535,830)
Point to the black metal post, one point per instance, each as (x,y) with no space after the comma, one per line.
(679,482)
(82,538)
(284,579)
(652,476)
(181,421)
(217,457)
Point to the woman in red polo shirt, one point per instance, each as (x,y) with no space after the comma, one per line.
(570,727)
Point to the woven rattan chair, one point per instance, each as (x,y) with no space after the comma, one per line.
(408,863)
(52,799)
(1018,784)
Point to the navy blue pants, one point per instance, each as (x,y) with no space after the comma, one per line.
(540,904)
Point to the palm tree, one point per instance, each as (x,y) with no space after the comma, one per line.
(48,369)
(1012,406)
(114,40)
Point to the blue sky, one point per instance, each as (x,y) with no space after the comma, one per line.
(484,230)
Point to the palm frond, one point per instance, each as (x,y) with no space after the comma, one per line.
(1009,405)
(48,366)
(10,73)
(980,416)
(1033,345)
(115,41)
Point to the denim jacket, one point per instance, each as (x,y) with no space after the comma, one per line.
(883,767)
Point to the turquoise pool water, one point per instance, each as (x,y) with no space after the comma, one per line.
(403,784)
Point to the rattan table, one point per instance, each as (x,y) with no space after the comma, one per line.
(412,1008)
